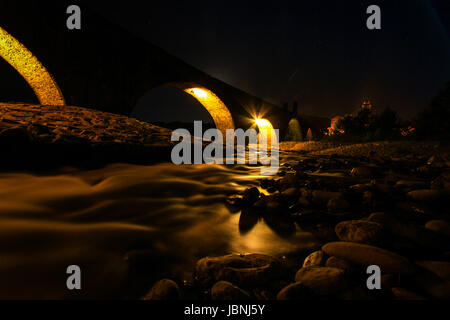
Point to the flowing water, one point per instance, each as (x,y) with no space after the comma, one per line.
(176,214)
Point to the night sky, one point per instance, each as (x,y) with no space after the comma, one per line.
(317,52)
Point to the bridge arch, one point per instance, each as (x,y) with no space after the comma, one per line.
(214,105)
(31,69)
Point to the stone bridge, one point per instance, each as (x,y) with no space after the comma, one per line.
(103,66)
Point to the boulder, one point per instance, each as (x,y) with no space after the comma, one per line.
(360,231)
(322,197)
(287,182)
(294,291)
(417,235)
(315,259)
(321,280)
(439,226)
(250,196)
(410,184)
(346,266)
(366,255)
(441,182)
(363,172)
(424,195)
(338,204)
(164,289)
(439,268)
(242,270)
(224,290)
(403,294)
(291,193)
(388,281)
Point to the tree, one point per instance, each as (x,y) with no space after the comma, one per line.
(387,125)
(433,122)
(294,132)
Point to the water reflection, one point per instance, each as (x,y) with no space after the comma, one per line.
(170,215)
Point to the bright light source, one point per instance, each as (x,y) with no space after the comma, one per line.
(263,124)
(199,93)
(39,79)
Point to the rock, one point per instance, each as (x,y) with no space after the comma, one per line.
(164,289)
(417,235)
(436,161)
(441,182)
(321,280)
(15,136)
(248,219)
(439,226)
(291,193)
(368,198)
(424,195)
(294,291)
(346,266)
(366,255)
(235,201)
(287,182)
(439,268)
(224,290)
(403,294)
(363,172)
(263,294)
(250,196)
(431,283)
(338,204)
(410,184)
(315,259)
(360,231)
(322,197)
(241,270)
(388,281)
(360,188)
(275,207)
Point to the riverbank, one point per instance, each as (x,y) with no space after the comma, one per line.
(39,137)
(382,204)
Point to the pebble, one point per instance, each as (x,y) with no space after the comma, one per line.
(366,255)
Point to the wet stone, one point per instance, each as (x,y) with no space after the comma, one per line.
(225,291)
(365,255)
(241,270)
(321,280)
(315,259)
(250,196)
(360,231)
(295,291)
(164,289)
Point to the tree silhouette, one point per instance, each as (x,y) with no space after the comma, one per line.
(433,122)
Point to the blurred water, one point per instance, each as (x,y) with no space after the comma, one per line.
(93,218)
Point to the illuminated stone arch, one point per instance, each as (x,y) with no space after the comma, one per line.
(212,103)
(29,67)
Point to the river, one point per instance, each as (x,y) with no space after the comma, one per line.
(175,214)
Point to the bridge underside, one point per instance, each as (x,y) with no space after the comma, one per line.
(106,68)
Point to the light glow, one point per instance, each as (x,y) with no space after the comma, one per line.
(29,67)
(216,108)
(263,124)
(199,93)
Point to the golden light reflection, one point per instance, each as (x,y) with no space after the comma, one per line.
(218,110)
(266,129)
(39,79)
